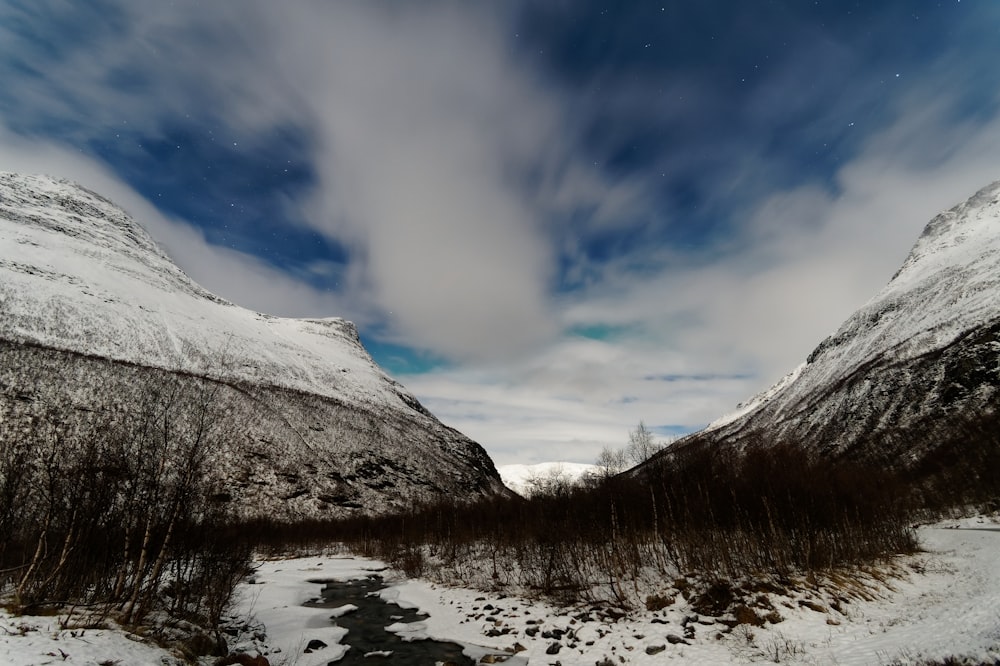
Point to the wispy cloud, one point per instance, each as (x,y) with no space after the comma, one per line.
(242,278)
(719,330)
(559,241)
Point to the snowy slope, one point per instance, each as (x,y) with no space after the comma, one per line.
(924,349)
(79,274)
(320,427)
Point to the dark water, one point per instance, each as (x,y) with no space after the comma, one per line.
(366,628)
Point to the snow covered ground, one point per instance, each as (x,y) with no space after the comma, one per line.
(39,641)
(944,602)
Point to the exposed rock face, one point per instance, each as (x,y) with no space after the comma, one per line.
(923,355)
(93,314)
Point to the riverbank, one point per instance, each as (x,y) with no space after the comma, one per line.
(936,604)
(939,603)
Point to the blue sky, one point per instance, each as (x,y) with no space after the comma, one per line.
(549,220)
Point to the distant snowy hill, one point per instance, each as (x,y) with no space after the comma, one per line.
(922,356)
(520,478)
(91,308)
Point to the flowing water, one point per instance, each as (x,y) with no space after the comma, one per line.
(366,628)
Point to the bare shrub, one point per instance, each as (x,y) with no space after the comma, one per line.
(104,496)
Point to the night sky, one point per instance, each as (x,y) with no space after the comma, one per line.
(548,219)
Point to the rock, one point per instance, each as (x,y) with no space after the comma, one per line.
(674,639)
(554,648)
(655,649)
(202,644)
(243,659)
(615,614)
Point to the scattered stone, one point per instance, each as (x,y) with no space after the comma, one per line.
(554,648)
(655,649)
(674,639)
(242,659)
(655,602)
(202,644)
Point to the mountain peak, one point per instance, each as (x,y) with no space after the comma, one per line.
(64,248)
(95,313)
(922,352)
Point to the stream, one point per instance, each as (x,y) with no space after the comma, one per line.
(367,637)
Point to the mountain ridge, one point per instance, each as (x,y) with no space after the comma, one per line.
(86,292)
(922,350)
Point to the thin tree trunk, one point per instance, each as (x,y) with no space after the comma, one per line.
(39,551)
(154,576)
(66,549)
(140,567)
(123,571)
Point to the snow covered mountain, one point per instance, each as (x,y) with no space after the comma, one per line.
(920,358)
(91,310)
(523,479)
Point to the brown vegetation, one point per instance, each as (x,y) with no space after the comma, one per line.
(113,512)
(727,516)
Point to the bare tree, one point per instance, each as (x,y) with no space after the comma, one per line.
(611,462)
(553,482)
(641,445)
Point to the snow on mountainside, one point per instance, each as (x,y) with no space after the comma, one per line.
(81,283)
(520,478)
(81,275)
(924,350)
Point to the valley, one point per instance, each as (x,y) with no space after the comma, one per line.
(172,462)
